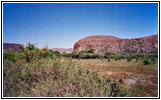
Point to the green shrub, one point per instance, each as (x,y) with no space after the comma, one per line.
(30,46)
(85,56)
(14,56)
(117,58)
(88,51)
(129,58)
(11,55)
(122,57)
(32,53)
(52,54)
(153,60)
(75,55)
(146,62)
(57,53)
(95,56)
(107,55)
(82,55)
(44,53)
(137,59)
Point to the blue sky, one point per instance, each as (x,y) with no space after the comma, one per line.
(60,25)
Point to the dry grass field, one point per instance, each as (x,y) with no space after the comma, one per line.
(141,80)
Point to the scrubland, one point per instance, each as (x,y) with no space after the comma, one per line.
(37,72)
(140,79)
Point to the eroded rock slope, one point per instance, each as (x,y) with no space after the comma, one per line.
(101,44)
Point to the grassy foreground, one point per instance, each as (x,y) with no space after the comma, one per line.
(53,77)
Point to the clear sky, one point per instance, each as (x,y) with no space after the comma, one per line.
(60,25)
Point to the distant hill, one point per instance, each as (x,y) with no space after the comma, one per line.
(61,50)
(17,47)
(102,43)
(8,46)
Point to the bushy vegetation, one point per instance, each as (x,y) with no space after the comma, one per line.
(82,55)
(146,61)
(88,51)
(42,72)
(129,58)
(152,58)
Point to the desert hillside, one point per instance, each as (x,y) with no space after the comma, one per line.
(17,47)
(102,43)
(8,46)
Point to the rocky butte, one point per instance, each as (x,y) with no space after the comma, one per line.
(102,44)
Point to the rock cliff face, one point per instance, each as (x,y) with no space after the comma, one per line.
(102,44)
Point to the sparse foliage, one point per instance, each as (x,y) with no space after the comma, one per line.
(146,62)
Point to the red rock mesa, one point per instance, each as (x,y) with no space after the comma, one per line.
(102,44)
